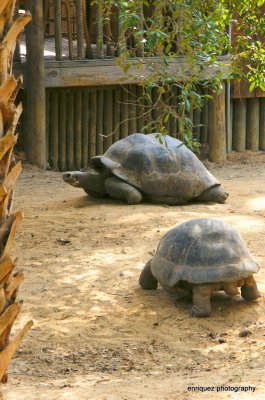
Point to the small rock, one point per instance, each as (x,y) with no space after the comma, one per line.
(244,333)
(63,242)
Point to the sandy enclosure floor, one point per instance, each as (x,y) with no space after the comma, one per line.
(96,334)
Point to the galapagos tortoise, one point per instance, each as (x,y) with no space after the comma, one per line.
(160,169)
(201,256)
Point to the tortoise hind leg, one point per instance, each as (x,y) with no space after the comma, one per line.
(118,189)
(249,290)
(201,300)
(231,289)
(147,279)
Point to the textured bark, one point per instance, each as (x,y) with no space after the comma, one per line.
(10,28)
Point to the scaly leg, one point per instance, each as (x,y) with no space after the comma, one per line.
(201,300)
(118,189)
(249,290)
(147,279)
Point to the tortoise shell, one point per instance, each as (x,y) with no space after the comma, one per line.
(202,251)
(157,165)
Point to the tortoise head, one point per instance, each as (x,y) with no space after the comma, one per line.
(91,181)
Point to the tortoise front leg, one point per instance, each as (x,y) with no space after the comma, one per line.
(249,290)
(147,279)
(118,189)
(201,300)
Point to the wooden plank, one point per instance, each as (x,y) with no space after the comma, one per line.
(47,114)
(239,124)
(78,128)
(140,108)
(93,123)
(62,130)
(108,119)
(229,118)
(100,127)
(54,125)
(174,105)
(253,124)
(85,128)
(217,127)
(197,119)
(167,99)
(124,113)
(262,125)
(240,90)
(70,130)
(156,107)
(35,117)
(106,72)
(116,112)
(204,120)
(132,110)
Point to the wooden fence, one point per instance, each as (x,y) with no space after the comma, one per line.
(87,108)
(83,122)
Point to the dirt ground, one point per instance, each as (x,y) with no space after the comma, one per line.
(97,335)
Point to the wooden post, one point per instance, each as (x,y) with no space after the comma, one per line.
(47,112)
(217,127)
(132,110)
(62,130)
(140,108)
(262,124)
(85,127)
(58,29)
(99,129)
(239,124)
(253,124)
(93,123)
(78,128)
(99,27)
(79,29)
(116,113)
(174,105)
(124,113)
(70,130)
(35,118)
(108,118)
(204,120)
(54,143)
(196,124)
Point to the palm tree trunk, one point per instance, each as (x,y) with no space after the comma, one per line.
(10,28)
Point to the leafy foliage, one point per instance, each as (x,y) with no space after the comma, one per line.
(156,33)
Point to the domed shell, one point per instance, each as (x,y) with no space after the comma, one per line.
(201,251)
(159,166)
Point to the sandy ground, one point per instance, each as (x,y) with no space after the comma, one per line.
(97,335)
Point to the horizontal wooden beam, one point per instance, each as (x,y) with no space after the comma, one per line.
(240,90)
(106,72)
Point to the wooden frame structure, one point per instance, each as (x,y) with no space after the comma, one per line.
(86,63)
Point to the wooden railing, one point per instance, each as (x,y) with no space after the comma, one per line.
(80,29)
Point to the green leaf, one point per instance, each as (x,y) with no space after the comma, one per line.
(252,86)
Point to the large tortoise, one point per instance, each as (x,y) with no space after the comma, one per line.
(158,168)
(198,257)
